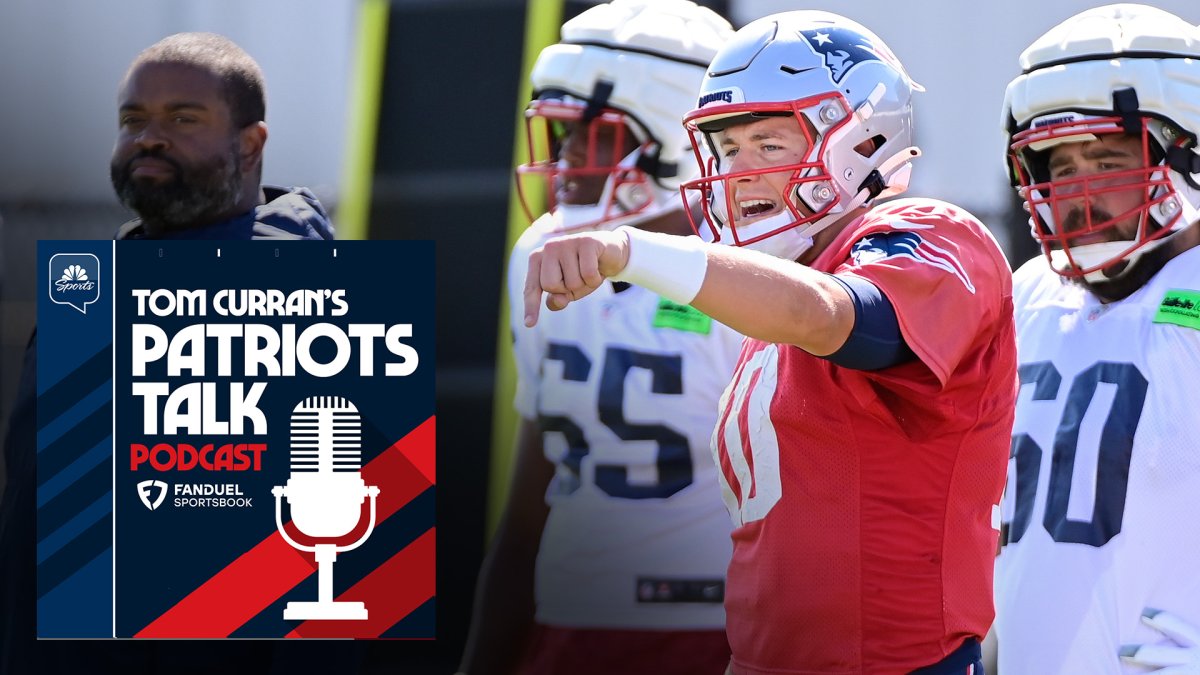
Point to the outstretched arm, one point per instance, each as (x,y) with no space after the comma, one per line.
(756,294)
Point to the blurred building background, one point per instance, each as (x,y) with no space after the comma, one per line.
(441,169)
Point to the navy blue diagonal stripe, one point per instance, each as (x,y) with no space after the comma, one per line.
(70,558)
(76,525)
(66,392)
(101,453)
(81,606)
(83,492)
(418,624)
(75,443)
(86,405)
(374,442)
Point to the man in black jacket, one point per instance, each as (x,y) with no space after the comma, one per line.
(188,163)
(188,157)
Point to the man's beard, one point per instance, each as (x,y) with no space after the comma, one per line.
(198,195)
(1122,279)
(1080,218)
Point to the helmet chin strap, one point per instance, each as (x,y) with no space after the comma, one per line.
(1101,253)
(1108,253)
(791,243)
(897,171)
(618,200)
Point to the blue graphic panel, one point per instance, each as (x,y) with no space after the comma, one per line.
(74,464)
(240,370)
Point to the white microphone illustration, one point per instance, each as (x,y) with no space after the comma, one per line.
(325,492)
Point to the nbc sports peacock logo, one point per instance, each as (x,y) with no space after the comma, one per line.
(74,280)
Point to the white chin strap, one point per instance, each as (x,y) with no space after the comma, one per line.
(1100,253)
(790,244)
(615,201)
(581,217)
(1110,252)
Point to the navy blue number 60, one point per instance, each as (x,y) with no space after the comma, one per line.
(1115,453)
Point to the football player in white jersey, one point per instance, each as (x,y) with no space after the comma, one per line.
(614,488)
(1100,530)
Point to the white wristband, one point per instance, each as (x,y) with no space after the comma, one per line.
(670,265)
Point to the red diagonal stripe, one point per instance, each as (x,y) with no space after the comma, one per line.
(262,575)
(722,447)
(390,593)
(421,451)
(395,471)
(743,423)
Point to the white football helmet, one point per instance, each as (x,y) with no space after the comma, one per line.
(1119,69)
(843,86)
(631,67)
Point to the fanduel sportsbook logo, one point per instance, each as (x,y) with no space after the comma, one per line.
(146,487)
(74,280)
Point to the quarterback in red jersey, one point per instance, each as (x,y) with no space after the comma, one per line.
(863,442)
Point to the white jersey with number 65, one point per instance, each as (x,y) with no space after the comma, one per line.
(625,386)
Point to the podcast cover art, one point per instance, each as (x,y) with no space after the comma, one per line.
(236,440)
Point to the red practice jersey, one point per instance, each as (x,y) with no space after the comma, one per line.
(864,502)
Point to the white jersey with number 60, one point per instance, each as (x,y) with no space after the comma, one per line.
(1101,513)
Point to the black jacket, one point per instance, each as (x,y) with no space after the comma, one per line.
(291,213)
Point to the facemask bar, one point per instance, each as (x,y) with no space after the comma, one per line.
(810,194)
(548,125)
(1052,202)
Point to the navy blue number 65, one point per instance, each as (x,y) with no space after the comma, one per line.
(674,458)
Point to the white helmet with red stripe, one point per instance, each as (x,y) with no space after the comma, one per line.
(845,89)
(1122,69)
(632,66)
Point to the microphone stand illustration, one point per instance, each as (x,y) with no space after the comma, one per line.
(325,492)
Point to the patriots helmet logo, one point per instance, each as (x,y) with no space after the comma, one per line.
(844,48)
